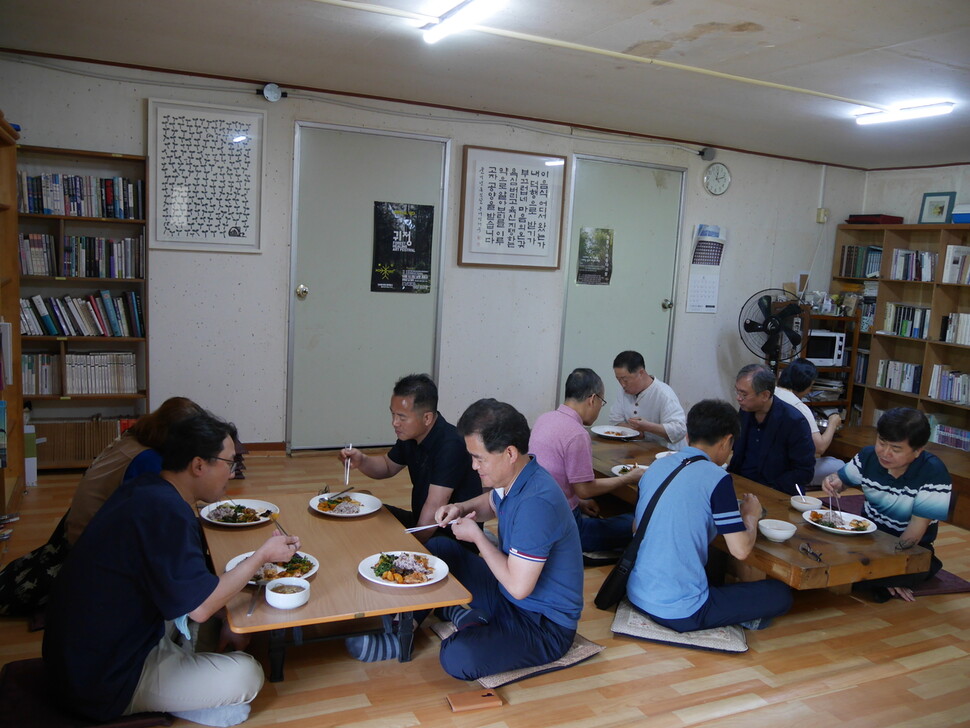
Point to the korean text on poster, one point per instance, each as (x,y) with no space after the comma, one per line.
(595,264)
(402,247)
(512,208)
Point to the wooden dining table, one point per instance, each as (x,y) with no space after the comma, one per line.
(338,593)
(844,559)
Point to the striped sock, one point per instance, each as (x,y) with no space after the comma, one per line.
(462,618)
(373,647)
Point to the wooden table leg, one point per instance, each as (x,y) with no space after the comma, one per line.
(277,653)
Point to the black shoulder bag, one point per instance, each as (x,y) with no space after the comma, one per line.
(614,586)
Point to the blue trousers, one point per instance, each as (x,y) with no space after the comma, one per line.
(513,638)
(604,534)
(733,604)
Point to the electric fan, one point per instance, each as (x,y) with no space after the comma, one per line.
(768,325)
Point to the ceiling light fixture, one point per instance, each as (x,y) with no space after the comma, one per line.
(461,17)
(910,112)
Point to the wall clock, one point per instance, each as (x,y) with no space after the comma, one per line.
(717,178)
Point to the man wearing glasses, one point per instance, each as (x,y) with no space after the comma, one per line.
(775,447)
(562,446)
(646,404)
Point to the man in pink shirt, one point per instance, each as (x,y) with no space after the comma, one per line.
(561,444)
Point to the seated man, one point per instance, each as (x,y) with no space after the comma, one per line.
(562,446)
(139,568)
(794,383)
(907,491)
(429,447)
(775,446)
(527,593)
(668,581)
(646,404)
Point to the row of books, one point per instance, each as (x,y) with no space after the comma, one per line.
(98,314)
(955,328)
(956,266)
(899,375)
(109,372)
(83,257)
(905,320)
(74,195)
(67,442)
(40,374)
(949,385)
(913,265)
(860,261)
(951,437)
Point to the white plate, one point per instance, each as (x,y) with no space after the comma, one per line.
(366,569)
(257,505)
(610,431)
(847,516)
(663,454)
(234,562)
(618,469)
(368,504)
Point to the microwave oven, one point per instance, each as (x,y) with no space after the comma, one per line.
(825,348)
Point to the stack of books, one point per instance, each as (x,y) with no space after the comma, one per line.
(899,375)
(40,374)
(951,437)
(955,328)
(860,261)
(98,314)
(913,265)
(949,385)
(109,372)
(73,195)
(905,320)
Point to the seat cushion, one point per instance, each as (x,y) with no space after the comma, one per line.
(634,623)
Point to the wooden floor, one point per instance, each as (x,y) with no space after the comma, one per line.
(834,660)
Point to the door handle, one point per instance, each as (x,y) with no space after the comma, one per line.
(302,291)
(666,304)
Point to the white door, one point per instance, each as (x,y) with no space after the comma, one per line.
(348,345)
(640,206)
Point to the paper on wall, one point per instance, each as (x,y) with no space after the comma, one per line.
(705,269)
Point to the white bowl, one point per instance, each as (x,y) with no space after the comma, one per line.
(775,530)
(805,503)
(287,601)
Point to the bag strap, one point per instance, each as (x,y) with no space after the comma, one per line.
(634,546)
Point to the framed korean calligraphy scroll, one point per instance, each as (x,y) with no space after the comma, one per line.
(206,175)
(511,208)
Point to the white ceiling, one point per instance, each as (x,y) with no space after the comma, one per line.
(878,51)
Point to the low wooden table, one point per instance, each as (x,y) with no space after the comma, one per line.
(845,559)
(337,593)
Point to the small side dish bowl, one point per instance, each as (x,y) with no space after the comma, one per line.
(775,530)
(805,503)
(288,592)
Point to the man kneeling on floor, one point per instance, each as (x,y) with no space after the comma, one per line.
(668,581)
(527,593)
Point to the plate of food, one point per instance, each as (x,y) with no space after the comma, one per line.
(842,523)
(614,432)
(626,468)
(302,565)
(403,569)
(346,506)
(239,512)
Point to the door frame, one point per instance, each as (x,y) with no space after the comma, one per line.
(566,268)
(294,247)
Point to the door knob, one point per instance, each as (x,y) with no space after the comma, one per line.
(302,291)
(666,304)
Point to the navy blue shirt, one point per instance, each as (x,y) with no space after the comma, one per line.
(139,563)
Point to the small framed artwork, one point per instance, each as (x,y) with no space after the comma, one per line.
(511,208)
(937,207)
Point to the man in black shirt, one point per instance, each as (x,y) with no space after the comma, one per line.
(429,447)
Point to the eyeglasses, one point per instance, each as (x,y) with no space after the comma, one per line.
(600,399)
(806,548)
(742,395)
(233,465)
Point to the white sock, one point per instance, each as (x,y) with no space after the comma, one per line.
(221,716)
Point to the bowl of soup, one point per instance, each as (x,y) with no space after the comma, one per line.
(288,592)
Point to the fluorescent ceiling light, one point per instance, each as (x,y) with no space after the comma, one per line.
(910,112)
(462,16)
(555,162)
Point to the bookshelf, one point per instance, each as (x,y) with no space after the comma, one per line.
(12,474)
(83,291)
(914,359)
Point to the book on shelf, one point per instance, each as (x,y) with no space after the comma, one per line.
(913,265)
(899,375)
(957,265)
(54,193)
(40,374)
(860,261)
(905,320)
(46,320)
(107,303)
(955,328)
(101,373)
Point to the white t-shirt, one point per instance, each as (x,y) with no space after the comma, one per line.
(786,395)
(657,403)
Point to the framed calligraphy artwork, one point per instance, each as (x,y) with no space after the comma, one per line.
(511,208)
(206,167)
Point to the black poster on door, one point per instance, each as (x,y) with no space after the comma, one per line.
(402,247)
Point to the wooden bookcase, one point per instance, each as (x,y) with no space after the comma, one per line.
(939,299)
(11,475)
(76,419)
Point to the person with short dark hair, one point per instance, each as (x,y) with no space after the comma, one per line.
(668,581)
(429,447)
(794,383)
(561,444)
(907,492)
(116,640)
(775,447)
(646,404)
(527,592)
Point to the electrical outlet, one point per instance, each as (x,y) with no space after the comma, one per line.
(822,215)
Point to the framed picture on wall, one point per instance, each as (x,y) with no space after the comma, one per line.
(206,167)
(937,207)
(511,208)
